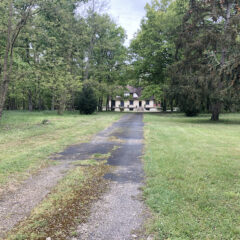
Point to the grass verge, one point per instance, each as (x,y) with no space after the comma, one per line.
(193,176)
(25,143)
(67,206)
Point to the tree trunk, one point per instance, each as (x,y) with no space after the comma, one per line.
(23,103)
(100,102)
(171,103)
(30,102)
(60,109)
(7,65)
(13,104)
(208,105)
(107,104)
(164,105)
(72,105)
(92,42)
(216,108)
(40,102)
(90,53)
(53,103)
(228,16)
(62,104)
(11,38)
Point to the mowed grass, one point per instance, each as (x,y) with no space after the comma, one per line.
(193,176)
(26,143)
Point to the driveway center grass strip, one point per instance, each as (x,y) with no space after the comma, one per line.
(67,206)
(193,176)
(26,143)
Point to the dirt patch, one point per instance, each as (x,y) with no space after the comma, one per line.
(18,204)
(68,211)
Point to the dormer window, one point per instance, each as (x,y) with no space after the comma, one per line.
(126,94)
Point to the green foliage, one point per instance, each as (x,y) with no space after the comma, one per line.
(150,51)
(87,100)
(209,59)
(152,90)
(154,48)
(58,49)
(190,49)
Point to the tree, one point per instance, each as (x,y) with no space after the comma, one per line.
(14,16)
(87,100)
(57,47)
(153,49)
(60,51)
(207,71)
(105,54)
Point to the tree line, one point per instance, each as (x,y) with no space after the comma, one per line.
(50,49)
(188,52)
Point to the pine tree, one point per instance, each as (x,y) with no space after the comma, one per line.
(87,100)
(207,72)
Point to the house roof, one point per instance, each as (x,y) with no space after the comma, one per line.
(138,90)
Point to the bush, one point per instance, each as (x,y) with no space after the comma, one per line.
(191,112)
(190,107)
(87,100)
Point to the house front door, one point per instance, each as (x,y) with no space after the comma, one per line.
(140,103)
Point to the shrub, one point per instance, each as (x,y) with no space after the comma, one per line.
(190,104)
(87,100)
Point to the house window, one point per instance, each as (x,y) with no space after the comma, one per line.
(122,103)
(131,102)
(147,102)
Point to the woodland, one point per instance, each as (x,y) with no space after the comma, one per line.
(186,54)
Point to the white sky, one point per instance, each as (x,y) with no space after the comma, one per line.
(128,14)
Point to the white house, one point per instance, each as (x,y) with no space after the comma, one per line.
(132,101)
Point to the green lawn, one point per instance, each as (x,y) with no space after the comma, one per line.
(193,176)
(25,143)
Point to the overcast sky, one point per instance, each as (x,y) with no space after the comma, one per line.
(128,14)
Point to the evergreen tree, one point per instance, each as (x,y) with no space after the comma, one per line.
(206,73)
(87,100)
